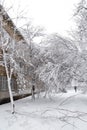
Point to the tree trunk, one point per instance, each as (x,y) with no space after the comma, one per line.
(11,96)
(33,92)
(9,74)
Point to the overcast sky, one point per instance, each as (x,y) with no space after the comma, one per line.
(54,15)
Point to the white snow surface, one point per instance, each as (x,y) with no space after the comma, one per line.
(62,111)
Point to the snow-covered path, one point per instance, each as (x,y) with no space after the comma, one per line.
(66,111)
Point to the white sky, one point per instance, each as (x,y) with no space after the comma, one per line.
(54,15)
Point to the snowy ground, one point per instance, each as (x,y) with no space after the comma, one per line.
(61,112)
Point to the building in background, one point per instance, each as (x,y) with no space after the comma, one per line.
(15,34)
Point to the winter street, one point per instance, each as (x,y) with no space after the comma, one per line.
(60,112)
(43,64)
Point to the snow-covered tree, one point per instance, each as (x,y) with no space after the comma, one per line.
(80,16)
(14,47)
(31,35)
(57,56)
(80,38)
(7,59)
